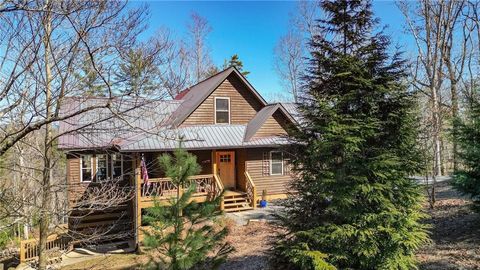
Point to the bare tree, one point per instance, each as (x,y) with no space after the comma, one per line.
(45,45)
(289,61)
(291,50)
(198,30)
(443,32)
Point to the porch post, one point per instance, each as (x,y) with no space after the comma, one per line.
(138,209)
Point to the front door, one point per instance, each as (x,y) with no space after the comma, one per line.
(226,168)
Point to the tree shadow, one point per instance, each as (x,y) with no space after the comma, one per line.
(250,262)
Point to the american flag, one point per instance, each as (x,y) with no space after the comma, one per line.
(143,165)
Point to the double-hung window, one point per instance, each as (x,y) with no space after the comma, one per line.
(276,163)
(222,110)
(117,165)
(102,167)
(86,168)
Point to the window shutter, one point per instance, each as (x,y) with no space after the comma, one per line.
(266,164)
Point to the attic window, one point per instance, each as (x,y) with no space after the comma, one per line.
(222,110)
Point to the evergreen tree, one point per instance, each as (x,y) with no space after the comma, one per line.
(234,61)
(183,235)
(138,74)
(467,179)
(357,207)
(90,83)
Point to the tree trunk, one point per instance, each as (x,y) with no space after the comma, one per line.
(44,221)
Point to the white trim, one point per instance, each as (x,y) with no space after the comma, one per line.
(81,169)
(107,156)
(121,166)
(215,109)
(271,163)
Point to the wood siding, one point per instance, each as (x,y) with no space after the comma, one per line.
(111,222)
(243,104)
(275,125)
(274,184)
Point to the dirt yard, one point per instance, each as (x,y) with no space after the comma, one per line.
(455,241)
(455,233)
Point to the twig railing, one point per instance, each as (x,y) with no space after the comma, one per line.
(251,190)
(205,185)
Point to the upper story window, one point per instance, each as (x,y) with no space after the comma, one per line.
(222,110)
(276,163)
(86,168)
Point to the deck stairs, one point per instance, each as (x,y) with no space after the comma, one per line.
(236,201)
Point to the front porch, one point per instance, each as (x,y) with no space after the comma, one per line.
(223,173)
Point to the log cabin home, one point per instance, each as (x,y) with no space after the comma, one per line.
(236,136)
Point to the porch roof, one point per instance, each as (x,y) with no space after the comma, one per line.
(200,137)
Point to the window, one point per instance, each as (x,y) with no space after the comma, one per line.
(225,158)
(222,110)
(276,163)
(117,165)
(102,167)
(86,168)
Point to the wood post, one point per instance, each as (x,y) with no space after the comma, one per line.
(138,189)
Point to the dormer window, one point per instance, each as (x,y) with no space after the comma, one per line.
(222,110)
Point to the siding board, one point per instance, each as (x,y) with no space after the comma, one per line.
(274,184)
(243,104)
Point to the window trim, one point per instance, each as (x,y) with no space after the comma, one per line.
(271,163)
(107,156)
(111,166)
(215,110)
(81,169)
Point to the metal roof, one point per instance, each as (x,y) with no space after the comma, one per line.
(293,111)
(106,127)
(200,137)
(259,119)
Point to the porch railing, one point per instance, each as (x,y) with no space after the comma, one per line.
(29,249)
(251,190)
(206,185)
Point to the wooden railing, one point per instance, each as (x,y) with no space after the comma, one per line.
(29,249)
(207,184)
(219,189)
(251,190)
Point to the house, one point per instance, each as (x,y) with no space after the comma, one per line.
(235,135)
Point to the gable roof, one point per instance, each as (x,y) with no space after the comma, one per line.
(257,122)
(194,96)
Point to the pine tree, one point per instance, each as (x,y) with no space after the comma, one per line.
(467,179)
(235,61)
(89,81)
(356,205)
(138,74)
(182,234)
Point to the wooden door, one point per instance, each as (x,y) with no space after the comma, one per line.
(226,168)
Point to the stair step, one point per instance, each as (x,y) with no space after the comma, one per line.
(229,210)
(234,196)
(234,199)
(236,204)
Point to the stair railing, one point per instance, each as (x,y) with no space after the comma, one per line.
(219,189)
(251,190)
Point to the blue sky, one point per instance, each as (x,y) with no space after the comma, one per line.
(251,29)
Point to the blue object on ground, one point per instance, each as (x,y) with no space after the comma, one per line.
(263,203)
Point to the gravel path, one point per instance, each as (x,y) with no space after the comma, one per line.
(455,233)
